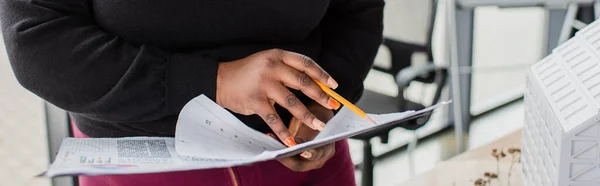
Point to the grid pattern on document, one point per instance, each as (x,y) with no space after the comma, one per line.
(91,145)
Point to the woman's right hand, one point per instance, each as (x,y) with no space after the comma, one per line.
(252,85)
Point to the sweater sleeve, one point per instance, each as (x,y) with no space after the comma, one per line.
(58,52)
(352,35)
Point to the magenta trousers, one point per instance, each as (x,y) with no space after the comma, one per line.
(338,170)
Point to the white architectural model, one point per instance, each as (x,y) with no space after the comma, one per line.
(562,115)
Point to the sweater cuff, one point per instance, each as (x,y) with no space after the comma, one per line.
(188,76)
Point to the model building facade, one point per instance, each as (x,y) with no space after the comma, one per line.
(562,115)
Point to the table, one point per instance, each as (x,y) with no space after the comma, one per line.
(463,169)
(460,14)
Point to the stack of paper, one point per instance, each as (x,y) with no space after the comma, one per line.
(207,136)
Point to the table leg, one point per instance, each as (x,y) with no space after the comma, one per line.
(461,47)
(367,165)
(555,20)
(567,27)
(596,9)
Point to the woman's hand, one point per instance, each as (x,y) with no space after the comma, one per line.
(252,85)
(313,158)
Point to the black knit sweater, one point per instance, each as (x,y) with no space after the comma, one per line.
(126,68)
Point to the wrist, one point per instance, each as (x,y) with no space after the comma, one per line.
(220,78)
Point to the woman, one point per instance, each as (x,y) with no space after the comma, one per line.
(126,68)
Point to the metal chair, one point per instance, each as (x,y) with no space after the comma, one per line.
(405,72)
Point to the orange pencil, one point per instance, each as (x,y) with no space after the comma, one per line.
(344,102)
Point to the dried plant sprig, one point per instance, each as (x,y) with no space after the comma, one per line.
(493,176)
(514,150)
(515,158)
(498,154)
(490,176)
(480,182)
(515,154)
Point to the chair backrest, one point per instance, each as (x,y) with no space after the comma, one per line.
(411,21)
(408,29)
(430,28)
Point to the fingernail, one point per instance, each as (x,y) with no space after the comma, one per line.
(318,124)
(289,141)
(332,83)
(271,135)
(334,104)
(306,154)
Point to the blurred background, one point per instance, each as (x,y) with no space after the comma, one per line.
(505,42)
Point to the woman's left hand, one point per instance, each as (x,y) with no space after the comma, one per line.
(313,158)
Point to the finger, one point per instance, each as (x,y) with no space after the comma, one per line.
(268,114)
(307,65)
(312,154)
(294,164)
(272,135)
(306,154)
(328,151)
(320,165)
(295,79)
(300,165)
(294,127)
(305,134)
(321,155)
(289,101)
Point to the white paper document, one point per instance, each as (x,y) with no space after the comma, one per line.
(207,136)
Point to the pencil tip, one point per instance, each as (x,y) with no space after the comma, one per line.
(370,120)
